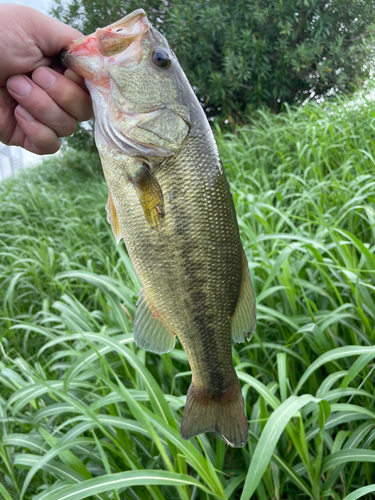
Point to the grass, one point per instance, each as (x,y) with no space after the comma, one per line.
(85,414)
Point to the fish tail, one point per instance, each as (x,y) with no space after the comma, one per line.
(224,415)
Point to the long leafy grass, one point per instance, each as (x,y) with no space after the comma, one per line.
(85,414)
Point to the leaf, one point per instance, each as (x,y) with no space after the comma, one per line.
(361,492)
(355,439)
(155,393)
(233,484)
(268,441)
(273,313)
(262,390)
(202,465)
(356,367)
(346,407)
(296,478)
(349,455)
(31,442)
(54,467)
(123,480)
(55,450)
(106,283)
(324,413)
(340,352)
(105,420)
(4,493)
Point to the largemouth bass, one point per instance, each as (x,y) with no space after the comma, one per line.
(170,201)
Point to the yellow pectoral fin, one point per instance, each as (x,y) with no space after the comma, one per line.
(244,317)
(150,332)
(112,218)
(149,194)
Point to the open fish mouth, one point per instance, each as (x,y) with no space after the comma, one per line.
(121,40)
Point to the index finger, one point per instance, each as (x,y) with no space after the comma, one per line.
(67,94)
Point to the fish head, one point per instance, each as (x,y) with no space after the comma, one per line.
(90,55)
(136,84)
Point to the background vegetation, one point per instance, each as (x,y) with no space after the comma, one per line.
(84,413)
(245,54)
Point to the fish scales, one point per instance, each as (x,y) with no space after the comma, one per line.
(187,254)
(170,201)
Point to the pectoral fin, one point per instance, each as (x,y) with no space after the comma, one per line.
(150,333)
(149,194)
(244,317)
(112,219)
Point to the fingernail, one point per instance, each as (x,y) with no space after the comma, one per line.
(44,78)
(25,114)
(19,86)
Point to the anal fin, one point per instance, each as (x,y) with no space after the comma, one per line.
(112,219)
(244,317)
(150,333)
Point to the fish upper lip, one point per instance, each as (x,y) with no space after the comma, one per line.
(90,44)
(139,13)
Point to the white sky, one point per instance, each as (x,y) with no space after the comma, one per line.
(43,6)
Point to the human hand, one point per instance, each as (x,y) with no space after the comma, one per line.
(38,101)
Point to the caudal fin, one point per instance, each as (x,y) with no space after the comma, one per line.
(223,415)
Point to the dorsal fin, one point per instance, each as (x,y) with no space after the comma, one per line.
(244,317)
(112,219)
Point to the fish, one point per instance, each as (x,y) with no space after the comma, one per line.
(170,201)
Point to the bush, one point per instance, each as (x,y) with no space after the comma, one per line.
(242,55)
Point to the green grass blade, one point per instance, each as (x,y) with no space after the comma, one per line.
(4,493)
(268,441)
(349,455)
(340,352)
(361,492)
(124,480)
(55,450)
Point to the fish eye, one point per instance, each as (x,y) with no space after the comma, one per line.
(161,58)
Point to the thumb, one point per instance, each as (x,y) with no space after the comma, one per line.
(49,34)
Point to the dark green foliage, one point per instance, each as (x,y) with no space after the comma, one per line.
(83,139)
(244,54)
